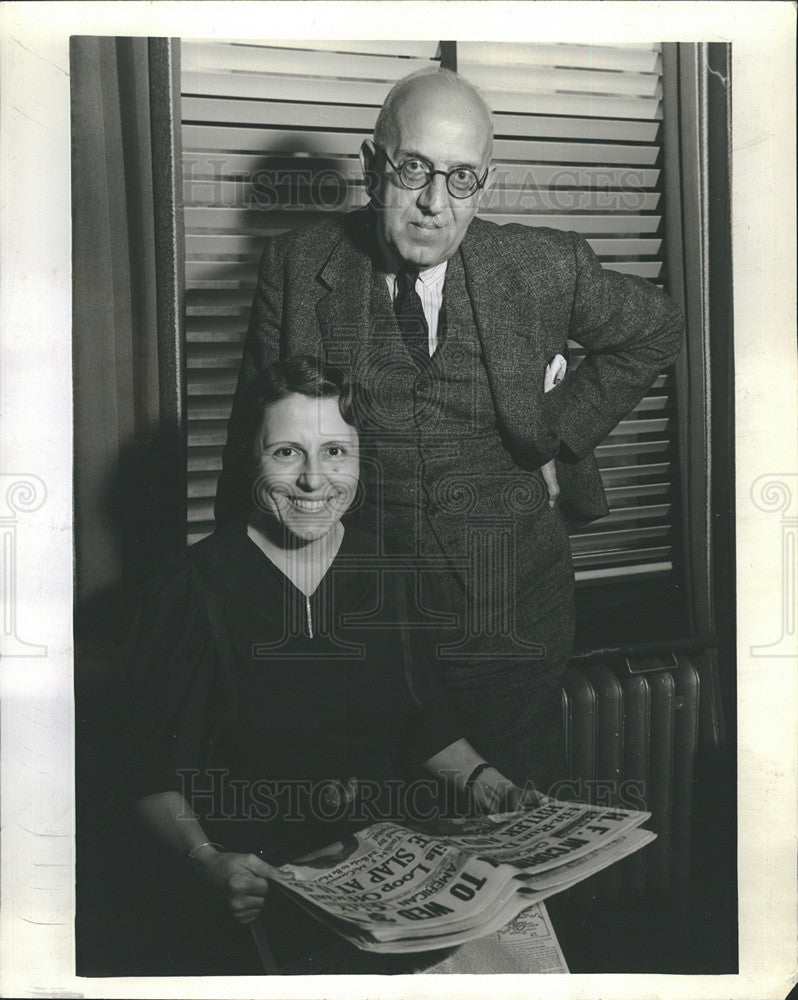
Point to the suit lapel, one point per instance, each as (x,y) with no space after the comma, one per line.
(510,335)
(343,309)
(508,325)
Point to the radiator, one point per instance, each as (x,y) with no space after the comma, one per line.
(631,737)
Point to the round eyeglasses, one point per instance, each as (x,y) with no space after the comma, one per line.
(413,173)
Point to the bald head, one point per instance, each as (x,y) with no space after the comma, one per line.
(431,91)
(433,124)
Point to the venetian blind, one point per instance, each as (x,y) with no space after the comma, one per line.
(270,139)
(271,135)
(578,147)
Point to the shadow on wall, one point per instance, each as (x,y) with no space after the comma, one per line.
(137,522)
(280,192)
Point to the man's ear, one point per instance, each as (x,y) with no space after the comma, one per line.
(485,192)
(368,164)
(490,179)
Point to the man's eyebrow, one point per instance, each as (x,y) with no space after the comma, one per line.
(414,154)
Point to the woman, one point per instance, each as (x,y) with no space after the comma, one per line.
(279,693)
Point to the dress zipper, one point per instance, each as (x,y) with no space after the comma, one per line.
(309,616)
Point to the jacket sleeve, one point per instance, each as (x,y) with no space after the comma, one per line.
(631,332)
(436,723)
(261,348)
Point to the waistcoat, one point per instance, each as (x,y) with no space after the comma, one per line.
(438,477)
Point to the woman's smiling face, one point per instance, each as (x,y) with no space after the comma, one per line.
(307,466)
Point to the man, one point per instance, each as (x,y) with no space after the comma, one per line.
(453,327)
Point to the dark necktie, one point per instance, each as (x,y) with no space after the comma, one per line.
(410,317)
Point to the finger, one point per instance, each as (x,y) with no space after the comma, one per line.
(258,866)
(246,904)
(247,916)
(530,798)
(507,798)
(549,471)
(243,884)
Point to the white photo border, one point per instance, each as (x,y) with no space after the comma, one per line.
(36,693)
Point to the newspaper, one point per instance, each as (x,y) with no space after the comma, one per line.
(527,944)
(403,889)
(545,837)
(580,868)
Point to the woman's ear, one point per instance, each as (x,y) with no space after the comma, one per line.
(368,163)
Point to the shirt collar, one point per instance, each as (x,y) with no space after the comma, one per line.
(432,277)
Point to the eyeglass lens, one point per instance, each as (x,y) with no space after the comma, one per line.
(460,182)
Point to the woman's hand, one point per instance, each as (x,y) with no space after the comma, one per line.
(494,793)
(487,786)
(527,797)
(241,879)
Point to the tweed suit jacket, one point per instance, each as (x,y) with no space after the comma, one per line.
(531,289)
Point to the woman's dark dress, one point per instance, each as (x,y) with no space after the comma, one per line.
(257,704)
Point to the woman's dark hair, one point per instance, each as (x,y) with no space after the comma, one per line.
(302,374)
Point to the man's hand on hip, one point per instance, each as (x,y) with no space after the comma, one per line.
(555,373)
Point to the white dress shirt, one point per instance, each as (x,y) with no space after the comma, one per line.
(429,287)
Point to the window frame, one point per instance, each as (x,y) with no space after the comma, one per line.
(686,205)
